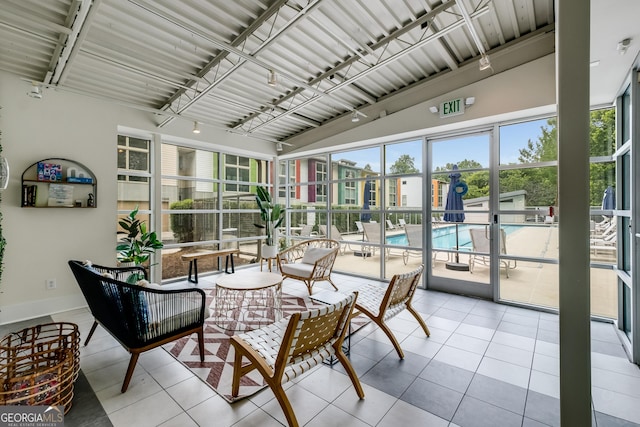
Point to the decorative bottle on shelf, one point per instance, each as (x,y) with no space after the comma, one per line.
(90,201)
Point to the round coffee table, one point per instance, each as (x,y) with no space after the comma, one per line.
(248,300)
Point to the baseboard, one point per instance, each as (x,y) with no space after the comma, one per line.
(38,308)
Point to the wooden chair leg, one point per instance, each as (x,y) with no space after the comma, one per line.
(237,371)
(93,329)
(332,284)
(392,338)
(130,369)
(283,400)
(201,343)
(344,360)
(419,319)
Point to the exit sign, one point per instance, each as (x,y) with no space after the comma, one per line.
(452,108)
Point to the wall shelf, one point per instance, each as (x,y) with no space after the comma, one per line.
(56,182)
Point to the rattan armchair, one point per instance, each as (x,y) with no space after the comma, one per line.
(139,318)
(309,261)
(381,304)
(292,346)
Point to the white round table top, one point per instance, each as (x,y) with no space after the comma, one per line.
(249,280)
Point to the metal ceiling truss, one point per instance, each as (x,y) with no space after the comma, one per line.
(379,64)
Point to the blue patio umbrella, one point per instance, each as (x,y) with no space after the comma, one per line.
(454,203)
(457,189)
(609,199)
(366,197)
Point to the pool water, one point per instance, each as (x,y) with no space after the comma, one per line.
(444,237)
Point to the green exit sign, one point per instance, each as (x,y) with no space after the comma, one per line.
(452,108)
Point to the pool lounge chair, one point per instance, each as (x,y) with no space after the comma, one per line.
(336,235)
(481,248)
(414,240)
(373,236)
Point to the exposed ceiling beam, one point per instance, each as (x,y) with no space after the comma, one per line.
(348,62)
(257,23)
(71,45)
(389,60)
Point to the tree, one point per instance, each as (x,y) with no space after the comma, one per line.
(404,164)
(545,148)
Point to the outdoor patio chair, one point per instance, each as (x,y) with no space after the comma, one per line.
(139,318)
(285,350)
(604,232)
(414,240)
(309,261)
(390,225)
(373,236)
(481,246)
(381,304)
(336,235)
(401,222)
(307,231)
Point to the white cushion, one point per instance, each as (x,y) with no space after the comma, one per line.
(312,255)
(297,269)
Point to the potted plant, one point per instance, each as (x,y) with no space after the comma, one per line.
(138,244)
(273,216)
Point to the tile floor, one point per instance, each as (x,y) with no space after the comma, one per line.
(485,364)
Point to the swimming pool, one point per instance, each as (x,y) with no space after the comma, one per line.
(444,237)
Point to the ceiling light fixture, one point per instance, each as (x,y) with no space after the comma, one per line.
(196,128)
(272,78)
(484,58)
(623,45)
(354,116)
(484,62)
(470,101)
(433,109)
(35,91)
(279,146)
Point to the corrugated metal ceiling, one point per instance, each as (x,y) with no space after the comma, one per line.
(208,61)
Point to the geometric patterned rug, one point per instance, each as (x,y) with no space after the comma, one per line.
(217,368)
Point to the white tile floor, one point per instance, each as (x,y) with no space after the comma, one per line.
(484,364)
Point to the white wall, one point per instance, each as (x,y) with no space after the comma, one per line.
(519,92)
(41,241)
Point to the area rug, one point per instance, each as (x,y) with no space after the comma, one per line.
(217,368)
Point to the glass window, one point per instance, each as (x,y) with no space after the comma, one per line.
(403,158)
(133,155)
(529,142)
(321,176)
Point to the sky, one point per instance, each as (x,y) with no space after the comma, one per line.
(453,150)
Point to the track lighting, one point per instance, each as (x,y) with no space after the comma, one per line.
(272,78)
(35,91)
(354,116)
(484,62)
(196,129)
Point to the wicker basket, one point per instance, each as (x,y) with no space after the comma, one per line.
(39,365)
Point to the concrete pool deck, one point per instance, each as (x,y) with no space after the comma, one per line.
(533,283)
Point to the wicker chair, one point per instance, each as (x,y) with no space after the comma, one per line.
(139,318)
(381,304)
(292,346)
(310,261)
